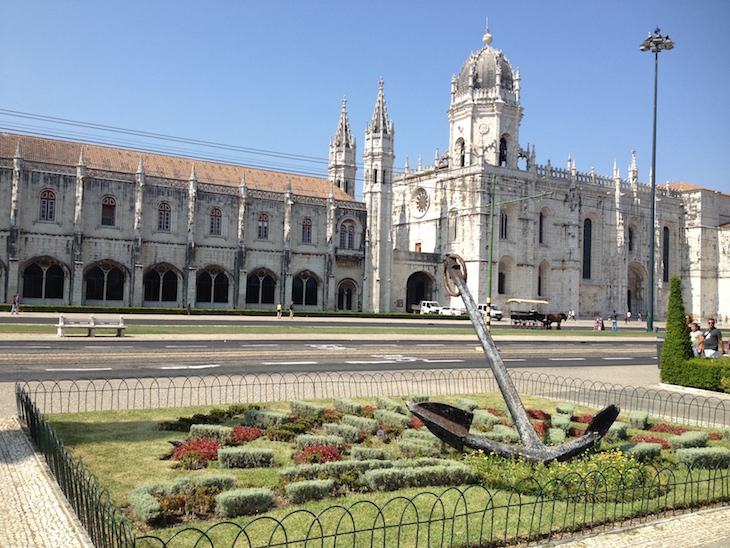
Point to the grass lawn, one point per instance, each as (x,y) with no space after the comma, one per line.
(125,449)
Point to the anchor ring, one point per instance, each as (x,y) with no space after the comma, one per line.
(457,264)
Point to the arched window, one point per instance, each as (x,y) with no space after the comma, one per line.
(105,284)
(347,235)
(502,283)
(263,227)
(453,225)
(164,216)
(216,219)
(503,225)
(108,211)
(48,206)
(503,151)
(460,153)
(43,280)
(665,254)
(307,231)
(587,248)
(260,288)
(631,239)
(345,295)
(503,276)
(541,228)
(304,289)
(160,286)
(212,287)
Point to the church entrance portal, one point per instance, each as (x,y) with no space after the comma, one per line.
(636,297)
(419,288)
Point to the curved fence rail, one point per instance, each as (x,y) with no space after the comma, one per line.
(469,516)
(160,392)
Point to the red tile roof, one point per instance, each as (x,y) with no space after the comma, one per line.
(54,151)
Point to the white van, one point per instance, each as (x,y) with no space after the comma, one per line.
(496,312)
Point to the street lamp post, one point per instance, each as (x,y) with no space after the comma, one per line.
(654,43)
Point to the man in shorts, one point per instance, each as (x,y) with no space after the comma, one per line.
(711,341)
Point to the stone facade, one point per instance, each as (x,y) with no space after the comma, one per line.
(89,225)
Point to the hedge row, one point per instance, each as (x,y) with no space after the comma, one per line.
(305,409)
(245,457)
(391,405)
(391,418)
(336,469)
(370,426)
(346,405)
(263,419)
(393,479)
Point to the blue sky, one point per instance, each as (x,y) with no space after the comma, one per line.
(271,76)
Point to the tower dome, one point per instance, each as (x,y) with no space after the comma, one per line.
(485,69)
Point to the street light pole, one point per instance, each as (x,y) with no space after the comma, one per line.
(654,43)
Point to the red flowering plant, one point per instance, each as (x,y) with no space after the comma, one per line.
(584,419)
(195,453)
(650,439)
(416,423)
(495,412)
(541,428)
(317,454)
(667,428)
(242,434)
(538,414)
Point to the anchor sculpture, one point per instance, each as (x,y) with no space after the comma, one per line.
(451,424)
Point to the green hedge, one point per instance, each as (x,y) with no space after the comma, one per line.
(643,451)
(306,409)
(245,457)
(303,491)
(639,420)
(390,405)
(466,403)
(414,448)
(706,373)
(224,434)
(370,453)
(346,405)
(306,440)
(392,479)
(244,502)
(263,419)
(391,418)
(709,457)
(370,426)
(689,439)
(351,434)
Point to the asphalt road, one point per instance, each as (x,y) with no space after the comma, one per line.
(110,357)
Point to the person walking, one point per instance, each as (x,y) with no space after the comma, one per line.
(15,307)
(694,337)
(278,310)
(614,321)
(291,310)
(711,344)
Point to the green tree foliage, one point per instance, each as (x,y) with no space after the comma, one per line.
(677,347)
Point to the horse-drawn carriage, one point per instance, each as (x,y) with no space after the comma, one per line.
(533,318)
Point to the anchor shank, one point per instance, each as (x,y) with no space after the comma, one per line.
(504,381)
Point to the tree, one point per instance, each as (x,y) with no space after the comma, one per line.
(677,347)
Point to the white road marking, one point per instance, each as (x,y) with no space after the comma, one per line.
(330,347)
(79,369)
(289,363)
(515,360)
(374,362)
(443,361)
(207,366)
(617,358)
(566,359)
(380,345)
(186,346)
(434,344)
(37,346)
(257,345)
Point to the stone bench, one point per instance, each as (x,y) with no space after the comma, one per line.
(91,325)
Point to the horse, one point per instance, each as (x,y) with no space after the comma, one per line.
(557,318)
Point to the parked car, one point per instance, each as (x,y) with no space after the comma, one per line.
(427,307)
(496,312)
(450,311)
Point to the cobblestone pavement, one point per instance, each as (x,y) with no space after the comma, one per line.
(33,513)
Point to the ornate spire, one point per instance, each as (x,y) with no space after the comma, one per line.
(487,38)
(81,163)
(343,135)
(380,123)
(192,174)
(140,168)
(18,151)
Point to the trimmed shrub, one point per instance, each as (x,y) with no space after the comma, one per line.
(390,405)
(370,453)
(346,405)
(555,436)
(639,420)
(504,434)
(391,418)
(689,439)
(306,440)
(485,418)
(351,434)
(369,426)
(245,457)
(703,373)
(676,349)
(466,403)
(561,421)
(244,502)
(617,431)
(418,398)
(726,433)
(413,448)
(303,491)
(211,432)
(565,409)
(424,435)
(263,419)
(392,479)
(215,481)
(300,408)
(145,506)
(708,457)
(643,451)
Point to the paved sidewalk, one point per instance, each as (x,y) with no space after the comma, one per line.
(34,513)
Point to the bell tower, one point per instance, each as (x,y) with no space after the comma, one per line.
(485,111)
(343,153)
(378,158)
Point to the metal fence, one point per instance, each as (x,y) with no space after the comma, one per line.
(164,392)
(470,516)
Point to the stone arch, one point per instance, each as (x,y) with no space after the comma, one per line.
(306,289)
(162,283)
(420,287)
(213,286)
(543,219)
(349,233)
(261,287)
(106,283)
(348,295)
(637,291)
(505,275)
(45,280)
(543,279)
(590,238)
